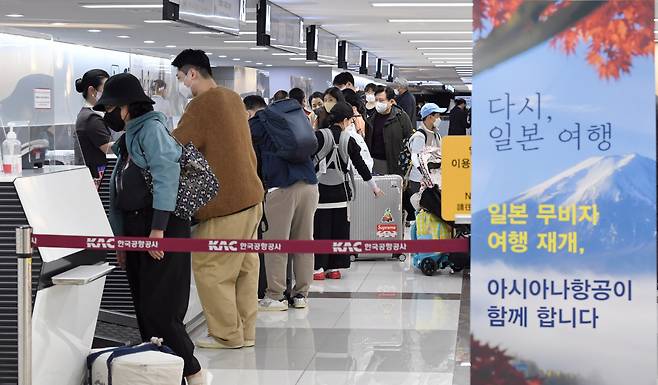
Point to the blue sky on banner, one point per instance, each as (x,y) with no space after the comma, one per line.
(571,92)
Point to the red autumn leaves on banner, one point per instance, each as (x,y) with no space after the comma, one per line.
(491,365)
(615,33)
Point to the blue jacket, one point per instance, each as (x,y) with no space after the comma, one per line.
(151,147)
(273,170)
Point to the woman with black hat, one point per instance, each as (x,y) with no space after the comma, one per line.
(159,282)
(336,148)
(93,135)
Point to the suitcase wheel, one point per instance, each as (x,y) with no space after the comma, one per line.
(353,258)
(400,257)
(428,266)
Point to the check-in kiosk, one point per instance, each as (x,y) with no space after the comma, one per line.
(67,284)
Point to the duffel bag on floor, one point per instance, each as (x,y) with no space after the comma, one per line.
(146,364)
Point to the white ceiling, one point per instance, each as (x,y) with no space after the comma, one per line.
(354,20)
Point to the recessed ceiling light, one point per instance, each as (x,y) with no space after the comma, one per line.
(170,46)
(247,33)
(422,4)
(259,48)
(436,32)
(58,24)
(444,48)
(94,30)
(157,21)
(149,41)
(447,54)
(123,37)
(236,59)
(247,61)
(240,41)
(441,41)
(15,15)
(121,6)
(221,56)
(203,33)
(311,62)
(283,54)
(297,58)
(260,64)
(430,20)
(268,65)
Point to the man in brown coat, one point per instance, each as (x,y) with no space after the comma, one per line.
(215,121)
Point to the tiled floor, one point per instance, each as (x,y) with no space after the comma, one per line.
(383,323)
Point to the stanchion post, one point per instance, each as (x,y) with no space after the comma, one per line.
(24,254)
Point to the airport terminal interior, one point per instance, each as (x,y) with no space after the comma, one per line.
(383,320)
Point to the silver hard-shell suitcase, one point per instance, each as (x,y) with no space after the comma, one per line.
(378,219)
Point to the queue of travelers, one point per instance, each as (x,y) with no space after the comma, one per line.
(304,195)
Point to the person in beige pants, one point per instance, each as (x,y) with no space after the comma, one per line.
(289,212)
(215,121)
(290,204)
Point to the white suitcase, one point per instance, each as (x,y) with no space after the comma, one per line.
(145,364)
(378,219)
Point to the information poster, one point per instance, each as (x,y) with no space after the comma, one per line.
(564,193)
(455,176)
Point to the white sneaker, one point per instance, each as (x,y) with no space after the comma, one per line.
(201,378)
(269,304)
(299,302)
(210,342)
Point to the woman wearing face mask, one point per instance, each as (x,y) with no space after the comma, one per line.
(316,101)
(93,135)
(331,97)
(358,127)
(371,101)
(159,282)
(331,217)
(426,136)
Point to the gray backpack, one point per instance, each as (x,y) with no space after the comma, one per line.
(335,176)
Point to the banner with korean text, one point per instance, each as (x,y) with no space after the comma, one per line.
(564,193)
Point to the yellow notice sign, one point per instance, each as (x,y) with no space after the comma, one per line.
(455,176)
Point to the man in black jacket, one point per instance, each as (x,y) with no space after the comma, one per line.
(459,119)
(405,99)
(386,130)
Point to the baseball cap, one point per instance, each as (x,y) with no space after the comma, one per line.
(431,108)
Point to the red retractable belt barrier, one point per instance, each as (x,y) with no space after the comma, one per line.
(242,246)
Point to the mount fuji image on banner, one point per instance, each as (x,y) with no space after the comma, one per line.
(564,193)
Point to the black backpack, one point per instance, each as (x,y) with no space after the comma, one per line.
(290,130)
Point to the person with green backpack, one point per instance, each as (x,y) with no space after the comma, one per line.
(336,148)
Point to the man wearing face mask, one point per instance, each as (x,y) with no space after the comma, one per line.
(405,99)
(215,121)
(345,81)
(426,136)
(387,129)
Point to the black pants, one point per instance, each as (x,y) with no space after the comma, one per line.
(161,289)
(331,224)
(412,188)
